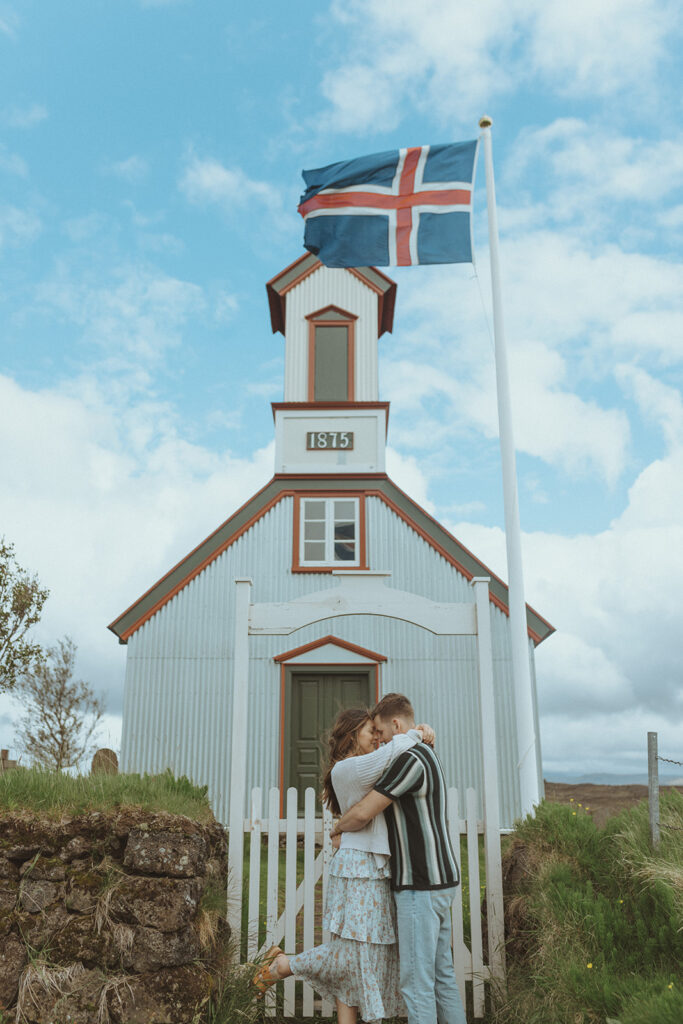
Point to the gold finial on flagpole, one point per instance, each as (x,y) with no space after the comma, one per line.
(485,121)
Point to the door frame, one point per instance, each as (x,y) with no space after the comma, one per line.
(286,672)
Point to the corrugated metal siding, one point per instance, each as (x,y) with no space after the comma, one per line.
(177,708)
(325,287)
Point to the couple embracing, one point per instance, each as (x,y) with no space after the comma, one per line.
(390,952)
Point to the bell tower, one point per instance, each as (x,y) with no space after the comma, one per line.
(331,420)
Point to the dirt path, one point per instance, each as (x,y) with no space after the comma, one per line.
(601,801)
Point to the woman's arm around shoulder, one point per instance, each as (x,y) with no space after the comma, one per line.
(369,767)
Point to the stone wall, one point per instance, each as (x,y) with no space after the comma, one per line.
(111,917)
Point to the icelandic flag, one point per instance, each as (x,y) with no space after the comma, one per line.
(399,208)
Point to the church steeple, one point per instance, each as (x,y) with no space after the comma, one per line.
(331,419)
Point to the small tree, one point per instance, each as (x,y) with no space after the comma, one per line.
(60,714)
(21,602)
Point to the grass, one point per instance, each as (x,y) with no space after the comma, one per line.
(599,913)
(53,794)
(599,920)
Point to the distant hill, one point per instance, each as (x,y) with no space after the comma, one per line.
(612,779)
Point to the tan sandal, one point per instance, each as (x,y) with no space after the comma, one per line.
(263,979)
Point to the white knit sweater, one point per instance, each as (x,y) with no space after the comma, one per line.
(354,777)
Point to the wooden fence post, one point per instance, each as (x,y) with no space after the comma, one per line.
(653,787)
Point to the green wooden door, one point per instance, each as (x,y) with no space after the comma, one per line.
(314,698)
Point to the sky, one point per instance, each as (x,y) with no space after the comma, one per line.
(150,162)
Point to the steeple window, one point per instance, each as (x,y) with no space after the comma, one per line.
(331,356)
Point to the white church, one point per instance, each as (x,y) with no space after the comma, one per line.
(328,588)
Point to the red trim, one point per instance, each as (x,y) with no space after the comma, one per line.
(345,320)
(336,665)
(277,297)
(343,314)
(361,277)
(338,642)
(281,781)
(329,476)
(386,299)
(286,493)
(331,405)
(362,531)
(340,566)
(286,270)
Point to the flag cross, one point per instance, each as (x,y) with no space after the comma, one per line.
(403,201)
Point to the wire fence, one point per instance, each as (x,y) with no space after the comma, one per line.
(653,759)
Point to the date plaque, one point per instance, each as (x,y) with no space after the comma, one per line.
(335,440)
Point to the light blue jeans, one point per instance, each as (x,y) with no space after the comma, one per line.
(428,980)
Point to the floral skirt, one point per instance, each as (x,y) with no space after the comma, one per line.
(359,965)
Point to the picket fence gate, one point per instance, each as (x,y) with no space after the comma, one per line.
(293,911)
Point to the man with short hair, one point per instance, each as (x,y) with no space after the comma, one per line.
(424,871)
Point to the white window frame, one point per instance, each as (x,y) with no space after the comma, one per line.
(329,559)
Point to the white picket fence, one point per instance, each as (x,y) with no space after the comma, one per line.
(293,911)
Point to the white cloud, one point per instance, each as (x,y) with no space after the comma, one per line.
(9,22)
(12,163)
(672,217)
(613,669)
(133,169)
(559,426)
(589,49)
(209,181)
(160,242)
(18,227)
(138,313)
(100,497)
(444,389)
(23,117)
(81,229)
(406,473)
(399,54)
(593,169)
(659,402)
(226,307)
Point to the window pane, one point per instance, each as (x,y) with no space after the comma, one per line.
(344,531)
(314,551)
(344,510)
(314,531)
(314,510)
(331,372)
(345,552)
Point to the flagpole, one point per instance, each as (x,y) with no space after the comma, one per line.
(524,705)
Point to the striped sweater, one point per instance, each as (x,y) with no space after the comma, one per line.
(421,852)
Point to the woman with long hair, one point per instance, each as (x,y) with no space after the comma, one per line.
(358,967)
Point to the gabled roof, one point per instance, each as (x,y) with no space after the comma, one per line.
(329,641)
(282,486)
(378,282)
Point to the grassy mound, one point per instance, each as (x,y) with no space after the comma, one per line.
(54,794)
(595,919)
